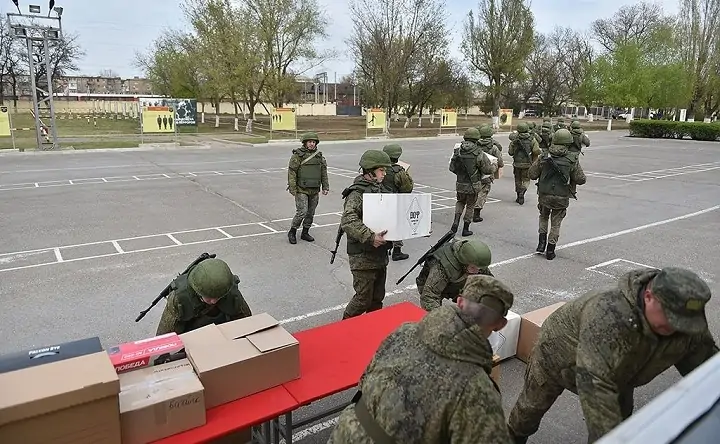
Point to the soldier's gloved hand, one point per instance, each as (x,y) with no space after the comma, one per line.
(379,239)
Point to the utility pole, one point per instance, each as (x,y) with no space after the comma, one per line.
(38,32)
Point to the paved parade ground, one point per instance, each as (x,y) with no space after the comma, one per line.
(90,238)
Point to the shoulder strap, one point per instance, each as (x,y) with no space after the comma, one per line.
(309,157)
(372,428)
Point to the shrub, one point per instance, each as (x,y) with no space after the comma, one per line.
(664,129)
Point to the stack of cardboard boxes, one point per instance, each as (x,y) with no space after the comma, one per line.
(79,393)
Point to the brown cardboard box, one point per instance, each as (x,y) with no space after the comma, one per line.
(530,329)
(242,357)
(160,401)
(495,374)
(73,401)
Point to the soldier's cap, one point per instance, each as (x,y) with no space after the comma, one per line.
(683,295)
(488,291)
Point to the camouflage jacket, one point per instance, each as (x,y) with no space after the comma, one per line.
(483,164)
(294,167)
(580,139)
(515,145)
(359,234)
(577,176)
(171,319)
(429,383)
(600,345)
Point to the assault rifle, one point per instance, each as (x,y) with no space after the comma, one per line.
(557,169)
(443,240)
(337,244)
(166,291)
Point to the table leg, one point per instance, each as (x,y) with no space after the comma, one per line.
(266,432)
(288,428)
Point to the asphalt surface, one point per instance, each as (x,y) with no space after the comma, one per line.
(90,238)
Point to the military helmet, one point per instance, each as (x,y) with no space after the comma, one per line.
(546,119)
(393,150)
(211,279)
(372,159)
(575,124)
(532,125)
(474,252)
(471,134)
(523,127)
(561,120)
(562,137)
(486,131)
(310,135)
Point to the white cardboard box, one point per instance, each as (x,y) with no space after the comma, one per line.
(504,342)
(403,215)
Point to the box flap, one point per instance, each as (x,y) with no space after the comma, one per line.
(202,337)
(272,339)
(222,354)
(537,317)
(165,383)
(155,373)
(247,326)
(46,388)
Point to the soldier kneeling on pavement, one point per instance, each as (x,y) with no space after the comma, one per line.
(429,381)
(445,272)
(207,294)
(604,344)
(397,180)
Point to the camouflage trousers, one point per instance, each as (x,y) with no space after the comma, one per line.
(465,201)
(305,206)
(555,218)
(397,244)
(522,180)
(539,393)
(369,286)
(483,195)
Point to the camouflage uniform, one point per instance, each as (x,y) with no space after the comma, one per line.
(554,190)
(546,137)
(524,150)
(534,131)
(368,264)
(445,272)
(186,311)
(601,347)
(397,180)
(307,172)
(471,167)
(488,146)
(429,382)
(560,124)
(580,139)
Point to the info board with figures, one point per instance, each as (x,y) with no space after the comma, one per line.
(403,215)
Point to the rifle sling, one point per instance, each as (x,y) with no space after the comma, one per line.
(372,428)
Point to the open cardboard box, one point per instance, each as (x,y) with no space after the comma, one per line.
(530,329)
(242,357)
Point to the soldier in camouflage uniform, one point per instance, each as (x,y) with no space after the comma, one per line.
(429,382)
(307,173)
(546,137)
(495,142)
(604,344)
(580,139)
(207,294)
(470,166)
(554,188)
(534,131)
(560,124)
(367,251)
(445,272)
(524,150)
(397,180)
(488,146)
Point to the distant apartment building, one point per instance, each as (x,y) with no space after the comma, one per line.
(102,85)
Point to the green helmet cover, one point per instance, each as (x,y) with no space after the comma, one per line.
(575,124)
(562,137)
(475,252)
(523,127)
(310,135)
(211,279)
(486,131)
(471,134)
(372,159)
(393,150)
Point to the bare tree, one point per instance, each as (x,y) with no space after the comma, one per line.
(108,73)
(63,56)
(497,43)
(631,24)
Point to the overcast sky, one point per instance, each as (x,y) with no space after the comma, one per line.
(111,31)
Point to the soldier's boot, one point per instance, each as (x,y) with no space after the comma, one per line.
(466,229)
(305,235)
(521,197)
(398,255)
(291,236)
(476,215)
(550,253)
(456,223)
(542,243)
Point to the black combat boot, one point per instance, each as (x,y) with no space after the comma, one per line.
(398,255)
(550,253)
(306,236)
(291,236)
(521,197)
(456,223)
(466,229)
(476,215)
(542,243)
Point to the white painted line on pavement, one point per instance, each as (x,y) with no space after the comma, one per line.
(172,238)
(117,247)
(58,256)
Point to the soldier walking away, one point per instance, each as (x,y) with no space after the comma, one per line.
(307,173)
(546,137)
(604,344)
(495,142)
(367,251)
(555,170)
(397,180)
(524,150)
(560,124)
(489,146)
(206,294)
(429,382)
(470,165)
(534,131)
(580,139)
(445,272)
